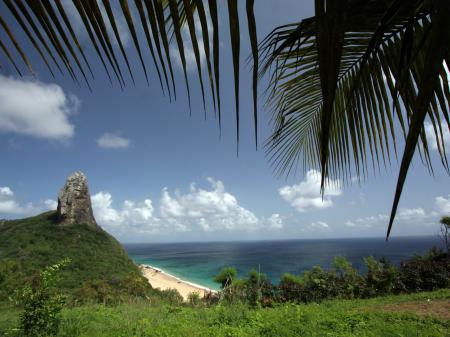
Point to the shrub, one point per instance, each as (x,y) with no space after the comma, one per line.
(426,273)
(226,277)
(347,282)
(42,307)
(253,287)
(381,279)
(194,299)
(291,288)
(319,285)
(172,296)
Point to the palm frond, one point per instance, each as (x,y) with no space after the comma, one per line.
(339,83)
(332,109)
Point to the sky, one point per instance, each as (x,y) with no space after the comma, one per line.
(157,173)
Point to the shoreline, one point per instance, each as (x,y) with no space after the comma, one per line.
(162,280)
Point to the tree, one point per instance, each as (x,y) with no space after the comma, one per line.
(332,77)
(226,277)
(445,232)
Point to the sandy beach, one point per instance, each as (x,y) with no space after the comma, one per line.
(162,280)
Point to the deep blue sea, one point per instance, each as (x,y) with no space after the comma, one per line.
(200,262)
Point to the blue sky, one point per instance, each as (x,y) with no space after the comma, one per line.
(158,174)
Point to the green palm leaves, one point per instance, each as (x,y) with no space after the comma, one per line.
(342,82)
(339,83)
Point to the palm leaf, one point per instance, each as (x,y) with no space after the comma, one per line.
(177,31)
(235,49)
(212,4)
(427,84)
(52,15)
(85,20)
(16,45)
(112,21)
(10,58)
(149,39)
(191,26)
(63,14)
(205,35)
(159,10)
(22,24)
(129,20)
(36,31)
(254,44)
(155,31)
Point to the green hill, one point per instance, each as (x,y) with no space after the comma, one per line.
(99,265)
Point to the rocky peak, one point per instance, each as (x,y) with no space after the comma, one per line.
(74,202)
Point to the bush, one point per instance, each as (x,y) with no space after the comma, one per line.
(421,273)
(171,296)
(253,287)
(426,273)
(347,282)
(42,307)
(194,299)
(226,277)
(381,279)
(291,288)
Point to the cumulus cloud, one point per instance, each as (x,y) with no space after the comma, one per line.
(113,141)
(431,136)
(306,195)
(275,221)
(213,209)
(9,204)
(36,109)
(137,218)
(198,210)
(50,204)
(443,205)
(410,215)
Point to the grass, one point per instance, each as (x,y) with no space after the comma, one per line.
(347,318)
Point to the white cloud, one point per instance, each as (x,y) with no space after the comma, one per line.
(275,221)
(131,217)
(320,225)
(213,209)
(199,210)
(306,195)
(443,205)
(37,109)
(9,204)
(50,204)
(404,215)
(113,141)
(411,213)
(431,137)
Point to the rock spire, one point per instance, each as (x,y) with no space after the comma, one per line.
(74,202)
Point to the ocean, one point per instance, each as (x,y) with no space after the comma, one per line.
(199,262)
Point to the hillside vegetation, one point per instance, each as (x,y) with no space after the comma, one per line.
(99,265)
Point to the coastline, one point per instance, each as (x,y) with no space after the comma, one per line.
(162,280)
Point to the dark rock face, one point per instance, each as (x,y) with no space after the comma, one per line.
(74,202)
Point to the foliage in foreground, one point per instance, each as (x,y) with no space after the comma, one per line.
(355,318)
(42,306)
(420,273)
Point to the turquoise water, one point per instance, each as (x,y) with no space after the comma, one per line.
(200,262)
